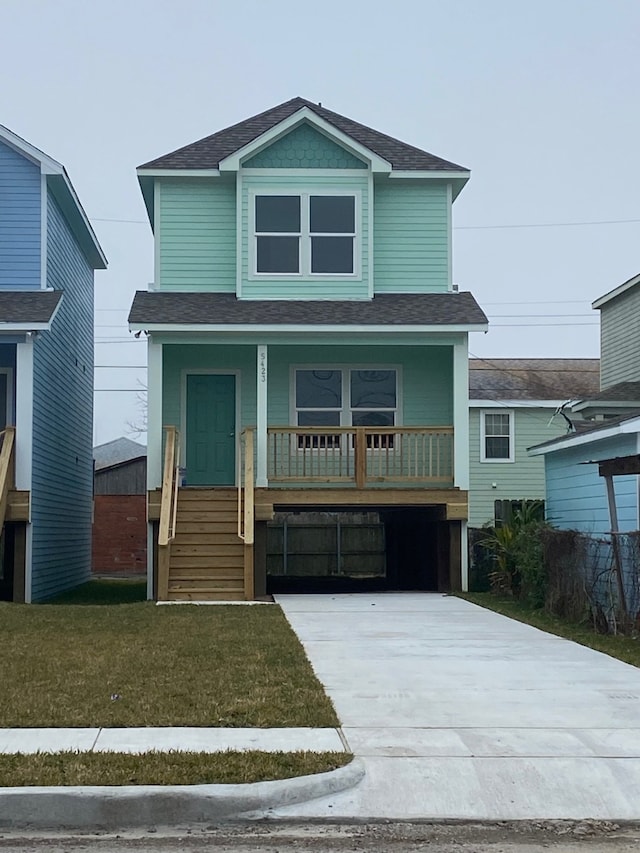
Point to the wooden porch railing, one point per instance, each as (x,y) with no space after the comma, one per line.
(361,455)
(246,508)
(168,508)
(7,437)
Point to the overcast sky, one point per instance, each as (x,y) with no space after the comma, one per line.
(540,100)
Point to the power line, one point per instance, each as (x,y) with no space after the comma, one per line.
(546,224)
(455,227)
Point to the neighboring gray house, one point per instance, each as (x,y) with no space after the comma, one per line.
(120,517)
(120,467)
(513,404)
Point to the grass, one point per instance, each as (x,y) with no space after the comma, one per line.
(623,647)
(156,768)
(104,592)
(142,665)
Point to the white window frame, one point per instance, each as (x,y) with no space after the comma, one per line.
(483,435)
(305,234)
(346,411)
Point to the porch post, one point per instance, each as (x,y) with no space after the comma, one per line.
(154,450)
(261,420)
(461,414)
(24,447)
(154,414)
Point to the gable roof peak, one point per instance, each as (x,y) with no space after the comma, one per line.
(207,153)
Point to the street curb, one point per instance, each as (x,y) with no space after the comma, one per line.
(127,807)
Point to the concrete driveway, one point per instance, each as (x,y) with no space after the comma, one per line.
(458,712)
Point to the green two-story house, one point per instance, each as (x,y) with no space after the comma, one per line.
(308,362)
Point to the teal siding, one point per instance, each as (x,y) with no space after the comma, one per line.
(521,479)
(180,358)
(62,485)
(425,388)
(20,214)
(304,148)
(577,495)
(317,287)
(411,236)
(197,234)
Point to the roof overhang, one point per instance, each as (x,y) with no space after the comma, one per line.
(65,195)
(257,329)
(29,310)
(234,161)
(626,427)
(605,405)
(515,404)
(618,291)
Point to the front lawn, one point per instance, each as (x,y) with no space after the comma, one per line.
(64,665)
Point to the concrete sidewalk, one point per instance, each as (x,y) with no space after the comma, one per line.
(458,712)
(190,739)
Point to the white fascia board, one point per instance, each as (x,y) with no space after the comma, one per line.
(178,173)
(233,162)
(83,216)
(516,404)
(442,175)
(617,291)
(578,439)
(47,164)
(307,329)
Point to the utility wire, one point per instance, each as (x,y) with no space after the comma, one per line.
(455,227)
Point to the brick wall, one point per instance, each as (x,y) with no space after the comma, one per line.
(120,534)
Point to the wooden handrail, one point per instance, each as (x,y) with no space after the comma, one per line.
(6,469)
(168,500)
(246,510)
(246,481)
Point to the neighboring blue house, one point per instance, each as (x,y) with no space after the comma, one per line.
(576,493)
(48,254)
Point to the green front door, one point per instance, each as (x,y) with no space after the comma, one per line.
(211,430)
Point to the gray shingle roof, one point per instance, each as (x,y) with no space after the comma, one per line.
(116,452)
(35,306)
(208,152)
(420,309)
(622,392)
(533,378)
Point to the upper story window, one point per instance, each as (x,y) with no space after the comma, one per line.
(497,436)
(305,234)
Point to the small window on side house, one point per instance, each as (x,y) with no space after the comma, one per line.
(496,437)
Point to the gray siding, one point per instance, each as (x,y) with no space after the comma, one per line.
(130,478)
(19,221)
(620,339)
(63,422)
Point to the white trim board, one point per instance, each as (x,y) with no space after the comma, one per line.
(304,115)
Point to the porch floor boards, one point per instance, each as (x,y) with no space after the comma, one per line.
(207,556)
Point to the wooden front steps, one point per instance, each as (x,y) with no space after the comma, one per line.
(207,557)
